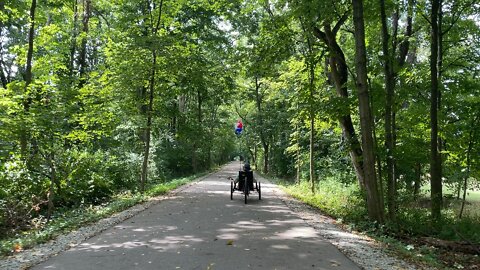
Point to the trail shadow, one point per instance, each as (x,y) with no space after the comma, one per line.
(201,228)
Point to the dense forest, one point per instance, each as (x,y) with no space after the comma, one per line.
(380,98)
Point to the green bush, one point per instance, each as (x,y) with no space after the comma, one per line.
(20,194)
(67,219)
(86,180)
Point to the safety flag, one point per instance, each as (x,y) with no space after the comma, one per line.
(239,127)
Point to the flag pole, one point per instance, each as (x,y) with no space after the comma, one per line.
(238,133)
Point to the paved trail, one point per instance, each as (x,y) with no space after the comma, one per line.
(201,228)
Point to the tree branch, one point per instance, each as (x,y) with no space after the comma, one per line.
(340,22)
(159,17)
(319,34)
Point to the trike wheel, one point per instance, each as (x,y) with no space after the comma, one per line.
(231,190)
(245,190)
(259,191)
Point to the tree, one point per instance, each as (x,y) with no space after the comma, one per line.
(82,58)
(28,78)
(392,64)
(374,205)
(338,76)
(435,162)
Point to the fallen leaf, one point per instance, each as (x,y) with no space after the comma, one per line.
(230,242)
(17,247)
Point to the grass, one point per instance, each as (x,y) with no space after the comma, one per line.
(472,206)
(67,220)
(333,198)
(345,203)
(472,195)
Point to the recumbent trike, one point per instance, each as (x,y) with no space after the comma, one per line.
(245,184)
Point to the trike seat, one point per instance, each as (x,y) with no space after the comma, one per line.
(241,179)
(245,178)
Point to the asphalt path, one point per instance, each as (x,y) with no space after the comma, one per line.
(199,227)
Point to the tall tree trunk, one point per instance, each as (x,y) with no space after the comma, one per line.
(440,143)
(3,77)
(2,73)
(31,36)
(174,118)
(82,61)
(389,101)
(404,46)
(255,154)
(263,138)
(51,191)
(374,206)
(465,180)
(28,78)
(381,188)
(390,80)
(299,160)
(312,165)
(143,179)
(435,164)
(418,182)
(73,48)
(266,149)
(155,27)
(194,158)
(211,142)
(471,141)
(311,61)
(199,122)
(338,71)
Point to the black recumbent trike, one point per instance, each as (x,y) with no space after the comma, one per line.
(246,184)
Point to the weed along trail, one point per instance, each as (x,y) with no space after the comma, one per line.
(201,228)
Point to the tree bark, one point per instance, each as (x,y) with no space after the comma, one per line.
(263,138)
(298,158)
(51,191)
(417,184)
(148,129)
(3,77)
(390,81)
(471,139)
(28,78)
(2,74)
(339,73)
(82,61)
(73,48)
(143,179)
(441,142)
(266,149)
(297,178)
(31,36)
(435,164)
(404,46)
(312,165)
(312,115)
(465,180)
(389,101)
(199,121)
(374,206)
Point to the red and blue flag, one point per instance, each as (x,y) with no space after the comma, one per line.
(239,127)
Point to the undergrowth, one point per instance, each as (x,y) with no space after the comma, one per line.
(345,203)
(67,220)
